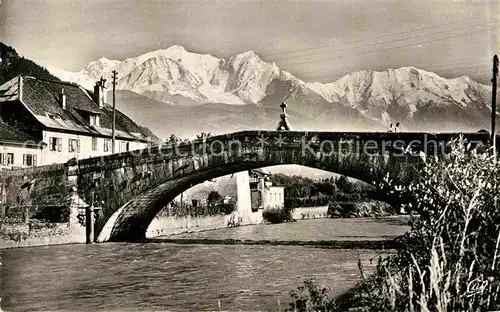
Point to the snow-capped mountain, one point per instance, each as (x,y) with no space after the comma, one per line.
(177,76)
(361,100)
(406,93)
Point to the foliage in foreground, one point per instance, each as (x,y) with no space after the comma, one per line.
(450,258)
(311,297)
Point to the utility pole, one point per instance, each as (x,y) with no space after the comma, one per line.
(494,102)
(114,115)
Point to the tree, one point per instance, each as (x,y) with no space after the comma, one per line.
(344,185)
(214,198)
(449,259)
(173,139)
(203,135)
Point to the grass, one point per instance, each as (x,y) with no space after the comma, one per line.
(449,260)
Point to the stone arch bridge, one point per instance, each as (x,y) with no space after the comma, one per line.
(136,185)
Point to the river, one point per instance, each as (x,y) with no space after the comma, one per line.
(164,276)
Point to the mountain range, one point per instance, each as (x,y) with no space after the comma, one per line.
(176,91)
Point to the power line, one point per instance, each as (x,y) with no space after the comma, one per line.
(383,42)
(422,66)
(392,48)
(463,72)
(464,65)
(377,37)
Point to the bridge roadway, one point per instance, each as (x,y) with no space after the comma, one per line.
(288,139)
(134,186)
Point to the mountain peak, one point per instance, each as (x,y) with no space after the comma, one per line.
(103,59)
(175,48)
(248,55)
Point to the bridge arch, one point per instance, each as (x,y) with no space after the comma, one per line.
(136,188)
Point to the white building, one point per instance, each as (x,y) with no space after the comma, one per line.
(71,122)
(263,193)
(17,149)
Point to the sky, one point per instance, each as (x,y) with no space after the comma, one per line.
(314,40)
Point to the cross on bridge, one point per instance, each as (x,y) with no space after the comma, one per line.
(283,123)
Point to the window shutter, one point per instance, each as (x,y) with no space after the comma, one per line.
(24,159)
(78,146)
(69,146)
(2,159)
(59,144)
(34,160)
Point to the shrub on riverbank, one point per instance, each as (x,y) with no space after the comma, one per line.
(367,209)
(305,192)
(311,297)
(214,205)
(450,258)
(278,214)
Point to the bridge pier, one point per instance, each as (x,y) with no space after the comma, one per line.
(90,217)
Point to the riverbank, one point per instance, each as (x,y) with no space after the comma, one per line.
(326,229)
(378,244)
(350,233)
(45,234)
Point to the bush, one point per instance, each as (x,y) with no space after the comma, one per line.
(53,213)
(311,297)
(359,209)
(175,209)
(278,215)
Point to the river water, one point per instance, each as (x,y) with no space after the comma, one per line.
(163,276)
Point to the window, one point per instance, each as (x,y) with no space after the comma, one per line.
(55,144)
(94,143)
(6,159)
(124,147)
(94,120)
(29,160)
(74,146)
(107,144)
(10,159)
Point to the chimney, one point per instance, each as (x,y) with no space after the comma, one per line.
(63,99)
(100,93)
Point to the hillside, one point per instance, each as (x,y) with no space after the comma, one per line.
(11,65)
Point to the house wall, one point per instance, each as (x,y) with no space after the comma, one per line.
(51,157)
(18,152)
(273,196)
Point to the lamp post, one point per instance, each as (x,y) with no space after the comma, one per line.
(494,102)
(114,115)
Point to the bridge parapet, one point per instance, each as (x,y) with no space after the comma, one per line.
(148,179)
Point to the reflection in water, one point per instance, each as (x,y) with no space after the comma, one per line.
(183,277)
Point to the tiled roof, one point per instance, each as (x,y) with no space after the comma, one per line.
(11,135)
(42,99)
(258,172)
(43,96)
